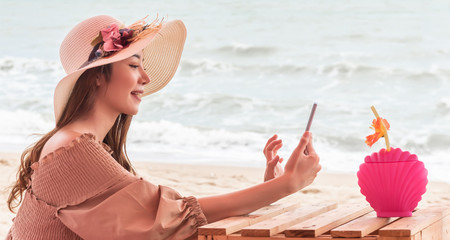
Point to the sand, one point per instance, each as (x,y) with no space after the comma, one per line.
(205,180)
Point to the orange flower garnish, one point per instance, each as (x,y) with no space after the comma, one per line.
(380,126)
(379,131)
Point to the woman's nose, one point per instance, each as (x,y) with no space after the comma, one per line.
(144,77)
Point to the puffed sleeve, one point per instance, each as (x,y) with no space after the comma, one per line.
(139,210)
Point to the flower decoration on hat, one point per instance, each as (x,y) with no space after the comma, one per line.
(112,39)
(381,126)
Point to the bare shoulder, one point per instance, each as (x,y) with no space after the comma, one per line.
(60,139)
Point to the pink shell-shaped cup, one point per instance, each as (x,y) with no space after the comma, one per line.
(393,182)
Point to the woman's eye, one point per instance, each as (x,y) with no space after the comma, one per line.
(134,66)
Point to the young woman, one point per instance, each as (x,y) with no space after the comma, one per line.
(77,181)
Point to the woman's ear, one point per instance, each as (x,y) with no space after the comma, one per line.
(99,80)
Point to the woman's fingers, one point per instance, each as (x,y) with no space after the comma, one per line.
(272,149)
(273,145)
(273,138)
(272,163)
(269,141)
(303,142)
(310,147)
(275,149)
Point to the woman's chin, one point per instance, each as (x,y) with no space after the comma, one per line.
(131,112)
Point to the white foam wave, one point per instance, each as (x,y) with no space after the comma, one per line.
(341,68)
(169,141)
(176,142)
(444,105)
(19,128)
(10,66)
(203,66)
(247,50)
(170,133)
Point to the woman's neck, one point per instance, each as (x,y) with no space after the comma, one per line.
(96,122)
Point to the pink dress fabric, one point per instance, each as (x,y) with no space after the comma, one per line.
(81,192)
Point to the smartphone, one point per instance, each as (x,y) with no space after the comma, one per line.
(311,116)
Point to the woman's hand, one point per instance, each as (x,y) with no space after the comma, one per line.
(300,171)
(273,166)
(303,164)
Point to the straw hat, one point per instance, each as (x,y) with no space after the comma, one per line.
(102,40)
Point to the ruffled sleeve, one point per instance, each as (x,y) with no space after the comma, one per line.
(97,198)
(139,210)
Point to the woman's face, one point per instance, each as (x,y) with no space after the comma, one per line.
(122,94)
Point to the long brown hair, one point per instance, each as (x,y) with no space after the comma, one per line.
(80,102)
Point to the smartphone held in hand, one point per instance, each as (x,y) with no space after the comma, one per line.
(311,117)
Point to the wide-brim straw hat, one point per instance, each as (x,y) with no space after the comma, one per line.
(161,48)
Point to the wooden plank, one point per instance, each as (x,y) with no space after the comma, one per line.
(203,237)
(279,223)
(410,226)
(432,232)
(225,226)
(362,226)
(327,221)
(283,237)
(438,230)
(239,237)
(220,237)
(446,229)
(416,237)
(234,224)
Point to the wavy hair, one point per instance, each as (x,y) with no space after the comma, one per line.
(80,102)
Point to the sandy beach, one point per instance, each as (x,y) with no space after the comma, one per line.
(202,180)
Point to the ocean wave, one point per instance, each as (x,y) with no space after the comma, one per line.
(247,50)
(203,66)
(443,105)
(52,71)
(198,101)
(28,83)
(182,136)
(339,151)
(211,110)
(15,66)
(347,69)
(198,67)
(171,132)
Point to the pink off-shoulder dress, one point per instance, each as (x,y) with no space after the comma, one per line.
(81,192)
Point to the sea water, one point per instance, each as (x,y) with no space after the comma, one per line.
(251,69)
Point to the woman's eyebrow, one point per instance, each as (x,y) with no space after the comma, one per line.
(137,56)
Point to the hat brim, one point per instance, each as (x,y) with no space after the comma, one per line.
(161,57)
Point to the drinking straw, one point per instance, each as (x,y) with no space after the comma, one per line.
(383,128)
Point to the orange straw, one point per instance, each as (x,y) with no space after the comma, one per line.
(386,137)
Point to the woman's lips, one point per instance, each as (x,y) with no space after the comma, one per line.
(137,94)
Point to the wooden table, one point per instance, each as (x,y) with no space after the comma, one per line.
(330,221)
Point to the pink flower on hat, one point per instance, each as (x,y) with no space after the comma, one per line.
(114,38)
(111,39)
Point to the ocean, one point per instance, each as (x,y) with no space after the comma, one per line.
(251,69)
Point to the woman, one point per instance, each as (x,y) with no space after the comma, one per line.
(77,181)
